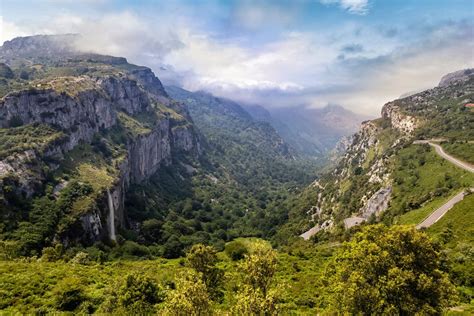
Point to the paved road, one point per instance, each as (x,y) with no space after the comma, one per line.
(437,214)
(442,153)
(309,233)
(433,217)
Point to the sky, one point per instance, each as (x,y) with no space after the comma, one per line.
(358,54)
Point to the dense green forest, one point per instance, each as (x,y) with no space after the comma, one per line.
(248,277)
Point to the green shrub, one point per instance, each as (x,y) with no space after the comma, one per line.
(69,294)
(9,249)
(132,249)
(139,292)
(50,254)
(236,250)
(81,258)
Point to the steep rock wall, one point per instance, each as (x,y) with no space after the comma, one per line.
(400,121)
(82,114)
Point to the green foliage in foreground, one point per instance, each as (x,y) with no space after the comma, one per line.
(389,271)
(396,269)
(456,232)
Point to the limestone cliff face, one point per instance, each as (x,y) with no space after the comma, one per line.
(146,78)
(82,107)
(125,94)
(358,148)
(400,121)
(149,151)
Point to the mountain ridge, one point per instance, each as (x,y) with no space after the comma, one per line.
(312,131)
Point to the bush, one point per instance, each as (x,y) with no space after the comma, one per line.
(50,254)
(190,297)
(132,249)
(203,259)
(236,250)
(69,294)
(139,293)
(395,270)
(9,249)
(81,258)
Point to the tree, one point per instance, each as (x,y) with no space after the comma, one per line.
(173,248)
(251,302)
(139,293)
(68,294)
(394,271)
(260,267)
(151,230)
(190,297)
(203,259)
(255,296)
(236,250)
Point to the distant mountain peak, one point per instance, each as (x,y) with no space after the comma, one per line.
(460,75)
(40,45)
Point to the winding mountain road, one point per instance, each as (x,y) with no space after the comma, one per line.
(309,233)
(440,151)
(441,211)
(435,215)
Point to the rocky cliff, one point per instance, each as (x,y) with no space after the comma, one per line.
(400,121)
(116,114)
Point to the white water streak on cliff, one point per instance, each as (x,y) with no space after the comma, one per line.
(111,216)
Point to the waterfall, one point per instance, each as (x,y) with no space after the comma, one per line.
(111,216)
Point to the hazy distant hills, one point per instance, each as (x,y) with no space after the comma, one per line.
(310,131)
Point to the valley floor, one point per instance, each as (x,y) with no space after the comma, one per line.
(31,285)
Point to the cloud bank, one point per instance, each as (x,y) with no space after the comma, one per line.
(355,65)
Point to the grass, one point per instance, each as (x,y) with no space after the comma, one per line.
(170,112)
(420,176)
(371,154)
(463,151)
(417,216)
(98,177)
(87,166)
(456,231)
(134,126)
(459,219)
(71,86)
(19,139)
(29,286)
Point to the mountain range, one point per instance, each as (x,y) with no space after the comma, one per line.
(312,132)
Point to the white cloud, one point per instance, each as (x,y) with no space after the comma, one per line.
(9,30)
(353,6)
(295,69)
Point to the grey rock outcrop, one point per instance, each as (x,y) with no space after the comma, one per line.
(91,108)
(377,203)
(460,75)
(399,120)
